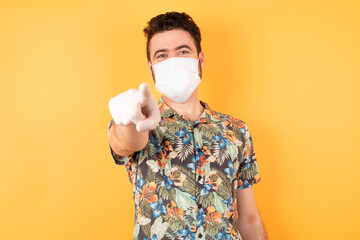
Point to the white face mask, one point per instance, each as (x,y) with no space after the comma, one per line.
(177,77)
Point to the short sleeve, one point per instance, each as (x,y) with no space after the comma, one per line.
(120,160)
(248,172)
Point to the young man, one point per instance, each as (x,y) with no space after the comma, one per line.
(191,168)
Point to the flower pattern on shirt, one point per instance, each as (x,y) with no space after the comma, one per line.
(185,180)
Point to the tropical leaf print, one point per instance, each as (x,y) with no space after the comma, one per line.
(172,128)
(218,203)
(165,194)
(224,189)
(184,150)
(209,131)
(159,228)
(205,201)
(185,180)
(221,154)
(153,165)
(173,234)
(233,151)
(144,220)
(249,173)
(183,199)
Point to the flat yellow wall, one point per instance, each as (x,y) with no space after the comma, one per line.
(289,69)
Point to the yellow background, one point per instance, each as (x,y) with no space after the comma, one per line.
(289,69)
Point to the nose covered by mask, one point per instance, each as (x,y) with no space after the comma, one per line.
(177,77)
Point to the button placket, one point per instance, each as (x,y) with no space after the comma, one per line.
(199,177)
(195,175)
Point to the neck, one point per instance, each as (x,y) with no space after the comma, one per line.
(191,109)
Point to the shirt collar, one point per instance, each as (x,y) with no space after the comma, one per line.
(167,112)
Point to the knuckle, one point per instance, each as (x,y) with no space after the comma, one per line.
(126,122)
(132,92)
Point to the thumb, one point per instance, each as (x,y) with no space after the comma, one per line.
(151,122)
(146,125)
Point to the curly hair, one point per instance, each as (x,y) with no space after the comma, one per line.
(169,21)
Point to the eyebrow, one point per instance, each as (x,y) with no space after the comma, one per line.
(177,48)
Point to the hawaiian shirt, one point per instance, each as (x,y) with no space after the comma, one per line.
(185,180)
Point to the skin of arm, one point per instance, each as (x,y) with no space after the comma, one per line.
(250,224)
(125,140)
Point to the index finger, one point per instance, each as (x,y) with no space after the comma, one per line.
(145,94)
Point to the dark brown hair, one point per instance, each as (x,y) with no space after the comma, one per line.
(169,21)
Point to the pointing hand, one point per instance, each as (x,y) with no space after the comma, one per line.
(135,106)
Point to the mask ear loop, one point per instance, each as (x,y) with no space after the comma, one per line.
(198,60)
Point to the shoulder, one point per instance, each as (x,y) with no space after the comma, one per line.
(233,127)
(229,120)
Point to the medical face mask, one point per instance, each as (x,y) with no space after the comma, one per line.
(177,77)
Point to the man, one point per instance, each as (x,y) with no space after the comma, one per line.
(191,168)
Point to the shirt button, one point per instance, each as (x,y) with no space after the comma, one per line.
(200,235)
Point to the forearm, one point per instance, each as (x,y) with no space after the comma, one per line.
(126,139)
(253,230)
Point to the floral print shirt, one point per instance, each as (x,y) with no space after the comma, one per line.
(185,180)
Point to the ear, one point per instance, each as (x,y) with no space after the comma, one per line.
(151,71)
(149,66)
(201,59)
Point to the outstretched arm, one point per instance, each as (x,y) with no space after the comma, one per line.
(134,112)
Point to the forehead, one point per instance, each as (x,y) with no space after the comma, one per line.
(171,39)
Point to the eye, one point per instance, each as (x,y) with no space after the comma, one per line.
(182,52)
(161,56)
